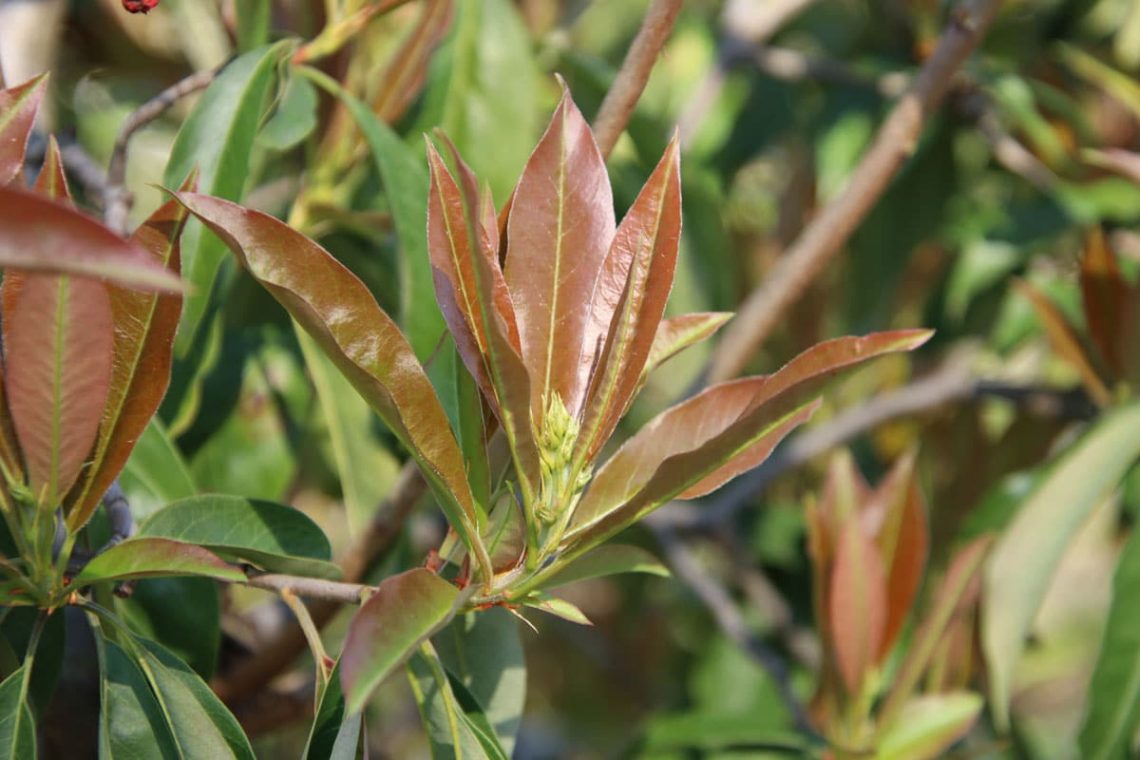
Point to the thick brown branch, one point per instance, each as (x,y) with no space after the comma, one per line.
(825,236)
(617,108)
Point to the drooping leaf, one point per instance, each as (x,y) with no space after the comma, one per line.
(858,606)
(38,234)
(216,140)
(405,610)
(560,228)
(272,536)
(1027,554)
(629,299)
(155,473)
(58,350)
(17,728)
(131,719)
(676,334)
(1114,692)
(929,725)
(18,107)
(698,445)
(483,652)
(610,559)
(335,734)
(152,557)
(453,731)
(143,343)
(337,310)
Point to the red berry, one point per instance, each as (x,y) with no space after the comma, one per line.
(140,6)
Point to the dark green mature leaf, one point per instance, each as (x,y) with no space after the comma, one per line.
(406,187)
(38,234)
(182,614)
(335,734)
(151,557)
(216,140)
(272,536)
(698,445)
(143,342)
(610,559)
(456,728)
(483,652)
(17,629)
(560,228)
(629,299)
(155,473)
(58,337)
(1114,692)
(17,728)
(131,719)
(1027,554)
(342,316)
(18,107)
(405,611)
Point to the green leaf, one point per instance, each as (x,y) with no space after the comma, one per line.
(18,108)
(337,310)
(150,557)
(155,474)
(405,181)
(405,611)
(131,720)
(272,536)
(929,725)
(552,605)
(610,559)
(1027,554)
(483,652)
(182,614)
(295,116)
(1114,692)
(335,734)
(17,728)
(217,140)
(17,628)
(455,728)
(253,24)
(38,234)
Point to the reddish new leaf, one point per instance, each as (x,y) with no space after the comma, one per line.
(857,606)
(339,312)
(18,107)
(629,298)
(1104,294)
(404,611)
(559,230)
(39,234)
(52,181)
(676,334)
(153,557)
(58,345)
(145,324)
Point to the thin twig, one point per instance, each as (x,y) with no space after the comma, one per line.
(312,588)
(117,200)
(825,236)
(263,666)
(620,100)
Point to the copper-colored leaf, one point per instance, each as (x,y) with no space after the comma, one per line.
(1104,294)
(560,228)
(58,371)
(145,324)
(52,181)
(336,308)
(676,334)
(18,107)
(1065,342)
(39,234)
(629,299)
(857,606)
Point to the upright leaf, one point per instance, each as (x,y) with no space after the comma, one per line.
(407,69)
(58,353)
(930,725)
(1027,554)
(335,734)
(17,727)
(1114,692)
(18,107)
(629,299)
(858,606)
(405,610)
(40,235)
(337,310)
(143,342)
(1105,295)
(217,140)
(560,228)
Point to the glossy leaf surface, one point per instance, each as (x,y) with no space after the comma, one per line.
(149,557)
(405,610)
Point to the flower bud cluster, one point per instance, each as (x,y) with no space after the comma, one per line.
(559,487)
